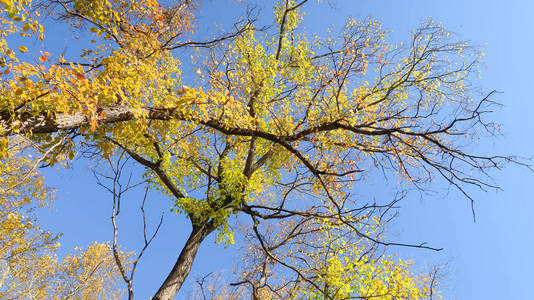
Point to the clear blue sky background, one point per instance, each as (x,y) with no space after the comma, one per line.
(489,259)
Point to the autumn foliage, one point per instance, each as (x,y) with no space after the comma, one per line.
(272,123)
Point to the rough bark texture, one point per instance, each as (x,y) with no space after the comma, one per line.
(176,278)
(48,123)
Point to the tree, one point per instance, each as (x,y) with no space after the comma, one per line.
(327,261)
(277,125)
(30,268)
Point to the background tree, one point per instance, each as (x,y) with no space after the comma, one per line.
(278,126)
(327,261)
(29,265)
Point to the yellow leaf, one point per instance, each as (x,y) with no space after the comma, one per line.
(23,49)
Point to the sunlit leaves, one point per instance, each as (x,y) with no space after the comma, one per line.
(322,259)
(29,265)
(273,122)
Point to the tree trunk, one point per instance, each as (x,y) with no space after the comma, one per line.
(176,278)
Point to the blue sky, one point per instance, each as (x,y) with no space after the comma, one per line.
(489,259)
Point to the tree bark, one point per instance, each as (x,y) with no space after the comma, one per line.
(52,122)
(177,276)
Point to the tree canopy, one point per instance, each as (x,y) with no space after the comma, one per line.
(272,123)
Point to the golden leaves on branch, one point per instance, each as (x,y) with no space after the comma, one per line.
(263,107)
